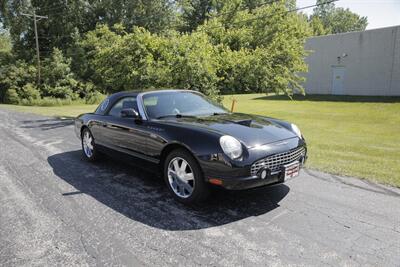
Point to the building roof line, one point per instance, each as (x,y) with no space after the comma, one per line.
(355,32)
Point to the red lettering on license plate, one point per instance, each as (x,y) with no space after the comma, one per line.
(292,170)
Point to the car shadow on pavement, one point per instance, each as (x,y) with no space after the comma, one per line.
(47,124)
(143,196)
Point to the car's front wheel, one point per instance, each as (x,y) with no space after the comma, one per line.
(88,145)
(184,177)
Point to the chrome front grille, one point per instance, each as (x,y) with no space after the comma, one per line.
(275,162)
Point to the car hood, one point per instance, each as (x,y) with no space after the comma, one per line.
(251,130)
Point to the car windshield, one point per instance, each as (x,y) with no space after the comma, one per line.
(179,103)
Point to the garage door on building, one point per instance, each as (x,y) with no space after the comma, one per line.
(338,80)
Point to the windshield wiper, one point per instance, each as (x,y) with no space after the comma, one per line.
(219,113)
(176,116)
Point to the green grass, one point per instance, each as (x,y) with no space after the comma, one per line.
(355,136)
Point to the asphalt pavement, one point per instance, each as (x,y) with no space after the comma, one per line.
(58,209)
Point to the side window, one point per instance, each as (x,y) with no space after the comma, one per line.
(124,103)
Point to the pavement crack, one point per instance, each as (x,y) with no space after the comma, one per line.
(82,241)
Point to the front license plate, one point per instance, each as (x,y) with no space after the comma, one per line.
(292,170)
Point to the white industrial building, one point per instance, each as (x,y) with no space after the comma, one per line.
(355,63)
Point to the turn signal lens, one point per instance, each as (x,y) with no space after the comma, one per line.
(215,181)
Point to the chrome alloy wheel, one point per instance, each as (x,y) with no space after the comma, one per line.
(181,177)
(87,142)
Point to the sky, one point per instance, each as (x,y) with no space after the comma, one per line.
(380,13)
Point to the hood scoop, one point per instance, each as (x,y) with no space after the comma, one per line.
(243,122)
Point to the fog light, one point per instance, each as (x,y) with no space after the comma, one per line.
(263,174)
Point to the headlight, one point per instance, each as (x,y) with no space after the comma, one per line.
(296,130)
(231,146)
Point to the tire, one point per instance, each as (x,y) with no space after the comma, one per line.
(89,149)
(180,177)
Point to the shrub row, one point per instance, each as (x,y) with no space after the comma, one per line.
(223,56)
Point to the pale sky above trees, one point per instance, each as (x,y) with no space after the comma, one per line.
(380,13)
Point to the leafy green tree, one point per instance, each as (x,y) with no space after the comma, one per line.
(58,80)
(121,61)
(265,45)
(335,20)
(5,49)
(323,9)
(68,18)
(5,42)
(194,63)
(195,13)
(343,20)
(142,60)
(13,77)
(98,46)
(318,27)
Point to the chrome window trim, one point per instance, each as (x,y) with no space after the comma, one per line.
(142,112)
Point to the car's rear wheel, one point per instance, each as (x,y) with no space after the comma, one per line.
(184,177)
(88,145)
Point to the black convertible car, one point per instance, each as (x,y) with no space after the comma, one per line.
(193,141)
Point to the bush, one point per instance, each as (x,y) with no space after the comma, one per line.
(50,102)
(94,97)
(24,95)
(193,63)
(29,92)
(11,96)
(260,55)
(141,60)
(59,91)
(58,79)
(233,53)
(13,77)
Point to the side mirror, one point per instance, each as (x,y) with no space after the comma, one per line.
(130,113)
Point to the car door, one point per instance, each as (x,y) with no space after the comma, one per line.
(97,122)
(126,135)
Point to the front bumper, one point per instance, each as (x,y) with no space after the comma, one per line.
(240,175)
(242,183)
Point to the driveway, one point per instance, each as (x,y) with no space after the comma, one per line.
(57,209)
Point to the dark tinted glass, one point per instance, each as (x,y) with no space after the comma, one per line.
(124,103)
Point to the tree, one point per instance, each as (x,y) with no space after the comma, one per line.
(142,60)
(317,26)
(323,9)
(5,44)
(13,78)
(195,12)
(112,45)
(335,20)
(68,18)
(58,80)
(263,49)
(343,20)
